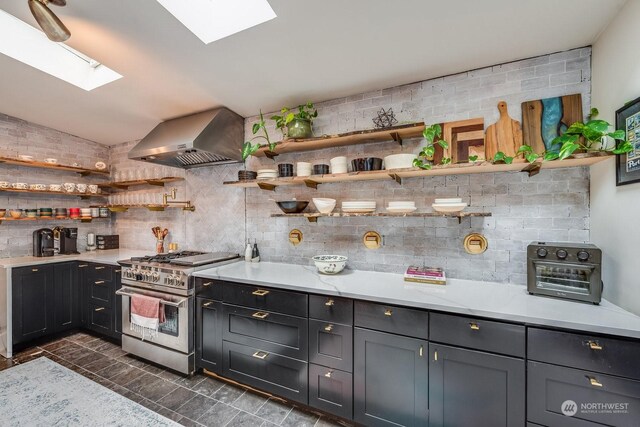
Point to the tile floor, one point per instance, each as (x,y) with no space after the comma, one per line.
(197,401)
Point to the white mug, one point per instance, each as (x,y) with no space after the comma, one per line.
(69,187)
(81,188)
(93,189)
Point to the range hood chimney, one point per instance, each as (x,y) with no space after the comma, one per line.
(209,138)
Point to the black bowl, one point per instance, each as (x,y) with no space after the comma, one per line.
(293,206)
(320,169)
(366,164)
(285,169)
(247,175)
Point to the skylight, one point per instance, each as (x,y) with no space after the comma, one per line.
(212,20)
(30,46)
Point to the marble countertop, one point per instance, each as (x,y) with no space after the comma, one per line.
(475,298)
(110,256)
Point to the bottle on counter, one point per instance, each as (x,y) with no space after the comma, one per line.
(248,252)
(255,253)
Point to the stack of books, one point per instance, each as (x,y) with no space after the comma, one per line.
(431,275)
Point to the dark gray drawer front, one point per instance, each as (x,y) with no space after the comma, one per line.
(549,387)
(496,337)
(208,288)
(100,318)
(331,345)
(331,309)
(101,292)
(270,372)
(607,355)
(272,332)
(331,390)
(389,318)
(102,272)
(265,299)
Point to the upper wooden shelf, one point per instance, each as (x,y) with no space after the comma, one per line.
(43,165)
(395,133)
(50,219)
(313,217)
(123,185)
(440,170)
(55,193)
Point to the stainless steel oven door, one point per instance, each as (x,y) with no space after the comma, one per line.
(174,333)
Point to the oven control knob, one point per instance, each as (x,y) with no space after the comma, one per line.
(542,252)
(155,276)
(583,255)
(561,254)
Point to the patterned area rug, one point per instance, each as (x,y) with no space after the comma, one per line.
(44,393)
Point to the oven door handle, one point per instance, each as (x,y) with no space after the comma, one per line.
(169,303)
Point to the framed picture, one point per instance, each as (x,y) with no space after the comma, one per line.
(628,165)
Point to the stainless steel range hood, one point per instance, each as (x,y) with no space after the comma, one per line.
(208,138)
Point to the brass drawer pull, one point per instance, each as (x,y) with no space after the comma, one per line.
(117,271)
(99,282)
(83,265)
(99,309)
(260,292)
(100,268)
(474,326)
(34,269)
(207,284)
(329,303)
(328,328)
(260,355)
(594,382)
(328,374)
(388,312)
(595,345)
(260,315)
(207,304)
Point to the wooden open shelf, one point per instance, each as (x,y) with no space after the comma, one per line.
(399,174)
(55,193)
(124,208)
(394,133)
(43,165)
(48,219)
(123,185)
(313,217)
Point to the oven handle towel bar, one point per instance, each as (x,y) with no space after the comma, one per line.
(169,303)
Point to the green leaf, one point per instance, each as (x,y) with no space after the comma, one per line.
(438,129)
(525,149)
(508,160)
(444,144)
(619,134)
(593,113)
(289,118)
(499,156)
(430,150)
(445,160)
(623,148)
(592,135)
(598,125)
(276,118)
(417,163)
(272,146)
(531,157)
(567,149)
(255,128)
(575,129)
(551,155)
(248,149)
(284,110)
(473,158)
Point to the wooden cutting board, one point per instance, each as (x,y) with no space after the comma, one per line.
(505,135)
(545,119)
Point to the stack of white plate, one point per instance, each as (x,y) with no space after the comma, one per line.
(339,165)
(267,173)
(359,206)
(451,205)
(401,206)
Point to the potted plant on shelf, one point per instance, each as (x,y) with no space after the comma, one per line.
(425,157)
(298,124)
(249,149)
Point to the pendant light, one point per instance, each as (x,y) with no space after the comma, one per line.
(48,21)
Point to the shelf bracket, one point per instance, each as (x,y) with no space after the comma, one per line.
(311,183)
(396,137)
(267,187)
(533,169)
(84,173)
(271,154)
(396,177)
(157,183)
(312,218)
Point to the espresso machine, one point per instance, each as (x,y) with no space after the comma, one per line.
(65,240)
(43,242)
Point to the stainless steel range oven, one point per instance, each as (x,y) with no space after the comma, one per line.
(565,270)
(166,277)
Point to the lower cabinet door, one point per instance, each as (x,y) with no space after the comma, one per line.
(209,335)
(273,373)
(468,387)
(100,319)
(331,390)
(561,396)
(390,379)
(65,301)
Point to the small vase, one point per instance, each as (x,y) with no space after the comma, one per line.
(160,246)
(299,129)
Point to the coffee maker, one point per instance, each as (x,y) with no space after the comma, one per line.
(66,240)
(43,242)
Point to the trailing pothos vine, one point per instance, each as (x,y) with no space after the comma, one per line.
(425,157)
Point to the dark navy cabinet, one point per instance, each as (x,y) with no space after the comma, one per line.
(66,298)
(32,303)
(209,334)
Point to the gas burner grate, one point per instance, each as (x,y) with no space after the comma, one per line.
(166,258)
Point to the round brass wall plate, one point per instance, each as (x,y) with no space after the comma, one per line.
(475,243)
(372,240)
(295,237)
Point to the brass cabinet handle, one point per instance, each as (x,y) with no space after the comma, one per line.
(259,314)
(207,304)
(474,326)
(207,284)
(34,269)
(328,328)
(595,345)
(99,309)
(388,312)
(329,303)
(422,351)
(99,282)
(328,374)
(83,265)
(100,268)
(117,271)
(260,355)
(594,382)
(260,292)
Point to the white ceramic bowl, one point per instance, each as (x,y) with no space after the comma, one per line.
(81,188)
(324,206)
(448,201)
(399,161)
(51,161)
(330,264)
(449,208)
(25,158)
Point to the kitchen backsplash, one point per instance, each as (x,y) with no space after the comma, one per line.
(553,205)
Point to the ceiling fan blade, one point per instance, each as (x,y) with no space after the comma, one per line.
(49,22)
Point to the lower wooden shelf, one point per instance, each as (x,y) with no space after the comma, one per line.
(313,217)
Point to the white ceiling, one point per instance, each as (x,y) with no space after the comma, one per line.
(313,50)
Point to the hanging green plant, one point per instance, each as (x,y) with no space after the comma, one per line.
(425,157)
(249,149)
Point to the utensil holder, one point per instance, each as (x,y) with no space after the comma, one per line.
(160,246)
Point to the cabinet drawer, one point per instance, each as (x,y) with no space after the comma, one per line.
(607,355)
(331,390)
(552,389)
(100,292)
(272,332)
(389,318)
(267,371)
(331,309)
(208,288)
(100,319)
(331,344)
(265,299)
(478,334)
(101,272)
